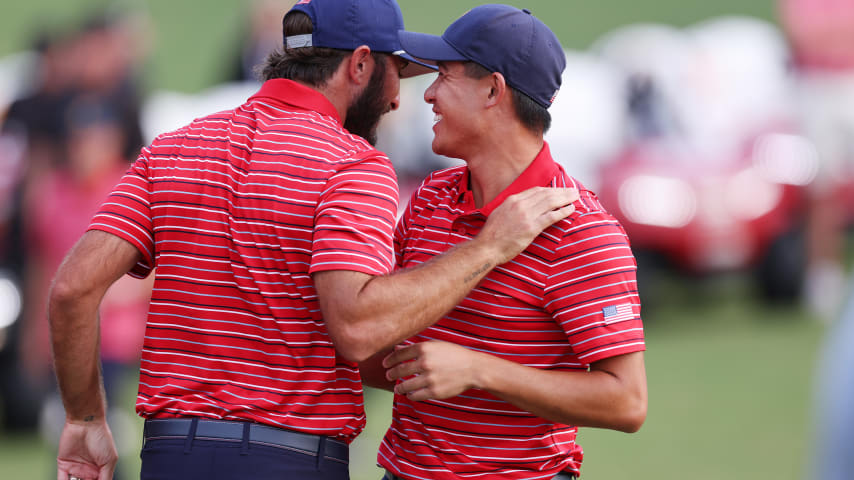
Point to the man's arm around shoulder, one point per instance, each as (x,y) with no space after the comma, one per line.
(367,314)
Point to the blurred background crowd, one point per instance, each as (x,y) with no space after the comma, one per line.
(725,146)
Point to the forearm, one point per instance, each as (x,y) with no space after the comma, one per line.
(595,398)
(74,337)
(365,314)
(582,398)
(95,262)
(423,294)
(385,310)
(611,395)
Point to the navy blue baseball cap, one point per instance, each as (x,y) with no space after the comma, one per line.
(348,24)
(503,39)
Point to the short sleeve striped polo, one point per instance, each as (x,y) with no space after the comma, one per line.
(568,300)
(234,212)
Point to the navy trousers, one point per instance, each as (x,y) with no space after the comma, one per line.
(206,459)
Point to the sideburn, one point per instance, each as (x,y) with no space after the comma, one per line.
(363,115)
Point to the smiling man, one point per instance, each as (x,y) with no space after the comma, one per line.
(546,343)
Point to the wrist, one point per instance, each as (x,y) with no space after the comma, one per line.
(91,412)
(86,419)
(482,371)
(482,254)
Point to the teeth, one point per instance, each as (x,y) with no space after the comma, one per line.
(437,118)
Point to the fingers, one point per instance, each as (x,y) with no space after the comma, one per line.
(524,216)
(416,389)
(402,363)
(553,216)
(86,452)
(542,206)
(401,355)
(562,195)
(106,472)
(545,199)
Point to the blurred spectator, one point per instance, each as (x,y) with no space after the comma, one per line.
(37,117)
(821,33)
(833,450)
(106,56)
(262,33)
(73,131)
(58,206)
(99,59)
(30,142)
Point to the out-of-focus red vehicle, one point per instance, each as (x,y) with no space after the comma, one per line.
(728,214)
(713,172)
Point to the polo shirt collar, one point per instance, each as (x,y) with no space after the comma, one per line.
(538,174)
(298,95)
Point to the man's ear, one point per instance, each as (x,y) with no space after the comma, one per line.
(497,89)
(360,65)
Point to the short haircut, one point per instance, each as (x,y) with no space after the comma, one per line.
(533,116)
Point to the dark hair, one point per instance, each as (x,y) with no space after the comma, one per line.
(312,65)
(533,116)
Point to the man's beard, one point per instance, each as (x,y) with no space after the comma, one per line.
(364,113)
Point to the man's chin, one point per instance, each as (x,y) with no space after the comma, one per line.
(438,148)
(444,151)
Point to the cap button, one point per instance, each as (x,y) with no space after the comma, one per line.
(526,11)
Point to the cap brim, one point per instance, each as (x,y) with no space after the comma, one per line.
(428,48)
(415,67)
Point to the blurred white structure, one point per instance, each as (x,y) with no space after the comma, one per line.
(713,83)
(588,116)
(16,72)
(742,80)
(164,111)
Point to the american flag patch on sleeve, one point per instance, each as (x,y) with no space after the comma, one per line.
(617,313)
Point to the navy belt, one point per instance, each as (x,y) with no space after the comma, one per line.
(233,431)
(560,476)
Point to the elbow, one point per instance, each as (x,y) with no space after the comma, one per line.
(633,414)
(351,351)
(633,422)
(64,292)
(352,343)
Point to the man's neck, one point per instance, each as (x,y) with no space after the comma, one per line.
(337,91)
(493,169)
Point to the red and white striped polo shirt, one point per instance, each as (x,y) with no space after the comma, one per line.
(568,300)
(235,211)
